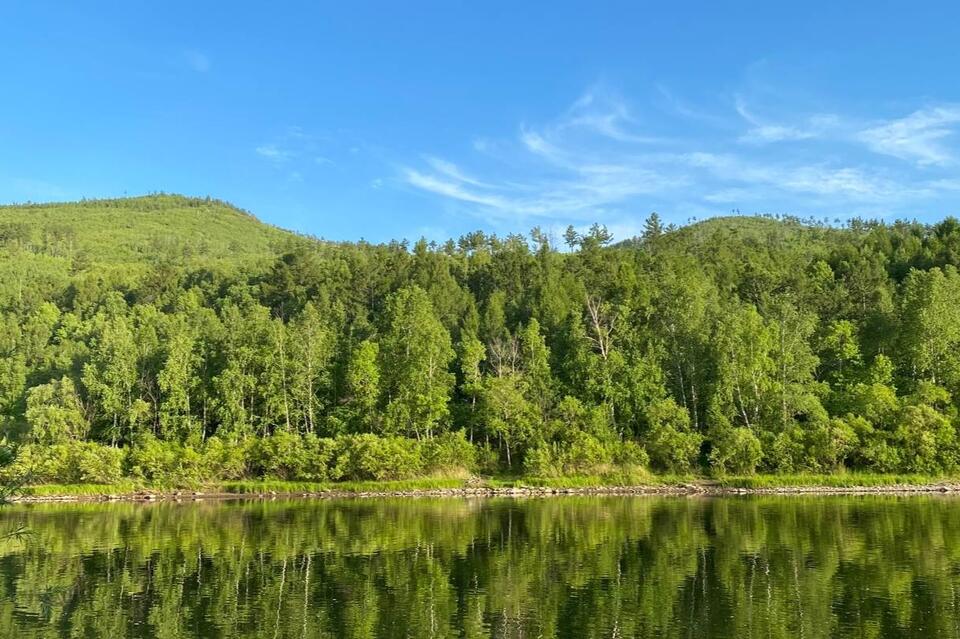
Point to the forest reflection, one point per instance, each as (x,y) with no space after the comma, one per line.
(809,567)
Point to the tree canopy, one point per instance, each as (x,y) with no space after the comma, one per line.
(729,345)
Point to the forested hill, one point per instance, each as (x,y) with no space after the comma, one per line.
(139,229)
(174,339)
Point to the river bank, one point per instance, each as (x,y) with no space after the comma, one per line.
(500,487)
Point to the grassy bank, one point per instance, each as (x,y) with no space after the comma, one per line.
(506,484)
(279,487)
(838,480)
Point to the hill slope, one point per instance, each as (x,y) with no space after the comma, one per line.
(746,230)
(132,229)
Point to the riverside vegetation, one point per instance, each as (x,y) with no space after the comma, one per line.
(174,341)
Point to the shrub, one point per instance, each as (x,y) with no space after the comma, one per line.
(671,444)
(629,453)
(167,463)
(224,461)
(488,459)
(878,454)
(449,452)
(93,463)
(151,460)
(927,440)
(381,458)
(735,450)
(539,461)
(785,452)
(829,443)
(282,455)
(583,454)
(34,464)
(67,463)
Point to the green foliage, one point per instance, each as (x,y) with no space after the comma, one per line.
(416,357)
(54,413)
(830,443)
(224,461)
(448,453)
(288,456)
(208,346)
(927,441)
(736,451)
(381,458)
(66,463)
(672,446)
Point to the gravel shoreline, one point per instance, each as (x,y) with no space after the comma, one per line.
(691,489)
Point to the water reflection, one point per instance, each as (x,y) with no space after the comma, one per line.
(558,567)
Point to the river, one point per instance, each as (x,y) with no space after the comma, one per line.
(571,566)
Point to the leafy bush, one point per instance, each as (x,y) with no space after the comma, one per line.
(282,455)
(671,444)
(540,462)
(829,443)
(488,459)
(225,461)
(927,440)
(382,458)
(785,452)
(93,463)
(167,463)
(448,452)
(583,454)
(629,453)
(67,463)
(735,450)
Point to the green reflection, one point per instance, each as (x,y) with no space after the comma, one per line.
(560,567)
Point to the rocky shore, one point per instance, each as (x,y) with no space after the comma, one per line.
(704,488)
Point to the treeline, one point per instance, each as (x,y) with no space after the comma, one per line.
(729,346)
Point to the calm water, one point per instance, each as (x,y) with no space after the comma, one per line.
(560,567)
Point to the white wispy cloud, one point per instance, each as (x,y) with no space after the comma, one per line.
(595,162)
(676,105)
(605,114)
(919,137)
(197,60)
(764,131)
(452,171)
(294,144)
(452,189)
(274,153)
(814,179)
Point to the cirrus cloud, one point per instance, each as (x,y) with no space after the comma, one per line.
(598,160)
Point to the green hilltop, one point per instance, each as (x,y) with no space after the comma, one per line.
(134,229)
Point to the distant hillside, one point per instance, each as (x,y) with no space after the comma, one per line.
(745,230)
(132,229)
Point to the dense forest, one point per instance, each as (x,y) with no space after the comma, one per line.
(180,340)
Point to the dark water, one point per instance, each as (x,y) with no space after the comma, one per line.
(560,567)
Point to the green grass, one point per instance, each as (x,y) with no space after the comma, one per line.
(78,490)
(834,480)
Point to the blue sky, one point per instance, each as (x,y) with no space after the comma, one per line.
(391,120)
